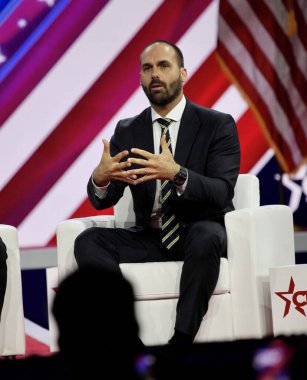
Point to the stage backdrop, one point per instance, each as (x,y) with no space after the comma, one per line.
(69,70)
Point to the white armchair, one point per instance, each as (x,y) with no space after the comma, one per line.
(258,238)
(12,331)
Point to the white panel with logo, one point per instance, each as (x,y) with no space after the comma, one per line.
(289,299)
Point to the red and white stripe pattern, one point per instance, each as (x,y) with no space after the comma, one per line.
(263,45)
(55,117)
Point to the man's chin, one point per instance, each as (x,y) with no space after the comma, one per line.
(157,93)
(158,99)
(159,102)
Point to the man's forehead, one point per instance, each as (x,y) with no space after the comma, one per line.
(159,51)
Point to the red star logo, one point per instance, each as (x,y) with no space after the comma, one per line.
(298,298)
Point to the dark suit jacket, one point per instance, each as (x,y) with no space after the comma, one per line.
(207,145)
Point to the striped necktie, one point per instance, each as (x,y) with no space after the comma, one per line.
(170,224)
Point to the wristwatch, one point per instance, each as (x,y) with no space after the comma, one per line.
(180,177)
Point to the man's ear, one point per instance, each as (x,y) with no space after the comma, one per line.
(183,74)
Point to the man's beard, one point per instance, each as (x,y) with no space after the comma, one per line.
(162,99)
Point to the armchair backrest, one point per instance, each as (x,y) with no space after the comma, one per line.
(246,195)
(123,211)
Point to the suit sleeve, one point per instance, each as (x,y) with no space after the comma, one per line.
(215,188)
(115,189)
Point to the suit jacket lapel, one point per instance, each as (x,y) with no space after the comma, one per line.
(143,132)
(187,133)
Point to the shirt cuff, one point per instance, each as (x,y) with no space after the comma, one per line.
(100,192)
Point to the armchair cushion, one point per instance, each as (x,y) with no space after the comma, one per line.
(147,284)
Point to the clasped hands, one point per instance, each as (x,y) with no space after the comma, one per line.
(152,166)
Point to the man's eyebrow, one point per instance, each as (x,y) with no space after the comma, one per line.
(146,64)
(163,61)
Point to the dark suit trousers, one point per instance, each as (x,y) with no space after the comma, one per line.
(3,273)
(200,247)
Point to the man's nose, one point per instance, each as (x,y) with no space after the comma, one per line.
(155,72)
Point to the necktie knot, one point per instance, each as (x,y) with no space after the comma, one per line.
(164,123)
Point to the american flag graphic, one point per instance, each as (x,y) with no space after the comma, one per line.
(69,70)
(264,46)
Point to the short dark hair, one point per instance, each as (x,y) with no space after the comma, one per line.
(178,52)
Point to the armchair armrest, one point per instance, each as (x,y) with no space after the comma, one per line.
(66,233)
(258,238)
(12,330)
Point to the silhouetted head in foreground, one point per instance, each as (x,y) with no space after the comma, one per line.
(94,310)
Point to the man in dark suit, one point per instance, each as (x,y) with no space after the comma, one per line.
(199,177)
